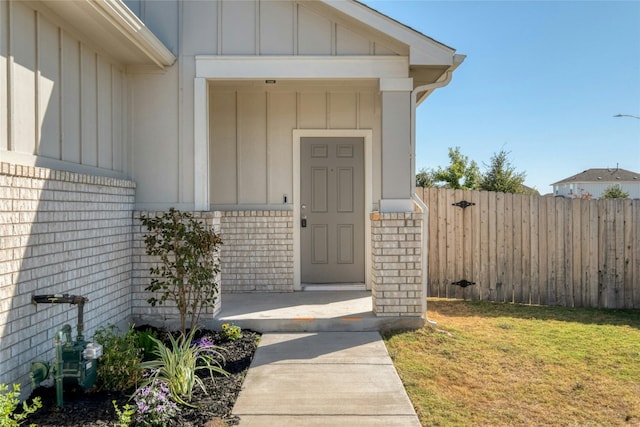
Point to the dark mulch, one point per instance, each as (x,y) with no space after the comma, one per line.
(90,408)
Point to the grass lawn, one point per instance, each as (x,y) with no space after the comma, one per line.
(502,364)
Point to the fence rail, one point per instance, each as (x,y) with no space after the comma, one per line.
(532,249)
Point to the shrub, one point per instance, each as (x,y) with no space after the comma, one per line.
(146,343)
(178,366)
(125,415)
(9,401)
(231,332)
(119,366)
(615,192)
(188,267)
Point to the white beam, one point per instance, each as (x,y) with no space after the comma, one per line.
(301,67)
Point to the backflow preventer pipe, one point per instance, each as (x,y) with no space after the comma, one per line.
(65,333)
(65,299)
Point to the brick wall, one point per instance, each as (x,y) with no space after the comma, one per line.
(257,254)
(396,248)
(165,315)
(60,232)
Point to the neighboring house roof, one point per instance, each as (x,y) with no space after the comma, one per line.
(602,175)
(111,26)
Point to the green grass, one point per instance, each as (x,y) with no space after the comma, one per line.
(504,364)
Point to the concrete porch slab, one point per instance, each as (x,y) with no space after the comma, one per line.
(335,311)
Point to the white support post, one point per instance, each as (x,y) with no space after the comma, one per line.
(201,145)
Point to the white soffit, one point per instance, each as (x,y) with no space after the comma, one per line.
(301,67)
(423,49)
(111,26)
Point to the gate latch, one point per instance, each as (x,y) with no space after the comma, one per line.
(463,283)
(463,204)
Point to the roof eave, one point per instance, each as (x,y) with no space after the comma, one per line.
(125,21)
(423,50)
(116,30)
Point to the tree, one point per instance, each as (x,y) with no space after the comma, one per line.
(614,192)
(188,267)
(502,176)
(424,178)
(461,174)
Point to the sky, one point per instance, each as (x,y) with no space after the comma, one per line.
(542,80)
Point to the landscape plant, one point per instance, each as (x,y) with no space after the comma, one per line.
(153,404)
(10,401)
(178,365)
(125,415)
(188,265)
(231,332)
(146,344)
(119,366)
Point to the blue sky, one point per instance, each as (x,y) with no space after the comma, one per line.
(542,80)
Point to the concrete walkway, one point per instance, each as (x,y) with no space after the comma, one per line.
(323,379)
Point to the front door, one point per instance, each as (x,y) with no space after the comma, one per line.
(332,210)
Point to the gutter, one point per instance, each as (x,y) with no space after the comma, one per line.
(130,26)
(426,91)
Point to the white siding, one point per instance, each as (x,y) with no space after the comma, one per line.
(57,98)
(163,133)
(251,146)
(4,78)
(156,153)
(594,190)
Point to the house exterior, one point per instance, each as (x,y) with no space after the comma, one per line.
(592,183)
(288,125)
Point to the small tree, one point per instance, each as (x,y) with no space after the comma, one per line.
(424,178)
(502,176)
(614,192)
(461,174)
(188,267)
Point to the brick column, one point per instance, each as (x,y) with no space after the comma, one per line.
(396,248)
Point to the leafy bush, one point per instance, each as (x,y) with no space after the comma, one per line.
(178,366)
(154,405)
(188,270)
(125,415)
(9,401)
(146,343)
(231,332)
(119,366)
(615,192)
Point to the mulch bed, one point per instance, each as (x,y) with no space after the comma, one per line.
(90,408)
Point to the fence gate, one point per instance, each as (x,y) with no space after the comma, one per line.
(532,249)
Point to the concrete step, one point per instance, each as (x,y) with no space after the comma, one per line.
(327,311)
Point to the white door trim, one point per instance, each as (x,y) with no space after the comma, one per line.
(367,136)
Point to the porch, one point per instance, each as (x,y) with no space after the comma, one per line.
(308,311)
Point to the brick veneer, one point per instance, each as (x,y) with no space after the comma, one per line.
(60,232)
(257,254)
(396,251)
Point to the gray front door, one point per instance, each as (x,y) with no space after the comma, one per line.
(332,210)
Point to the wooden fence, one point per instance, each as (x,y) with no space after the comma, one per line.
(533,250)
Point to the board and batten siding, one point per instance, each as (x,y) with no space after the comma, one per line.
(60,99)
(256,163)
(274,27)
(251,145)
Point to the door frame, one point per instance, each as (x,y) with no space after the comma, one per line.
(367,137)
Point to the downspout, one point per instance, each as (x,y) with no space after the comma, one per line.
(417,200)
